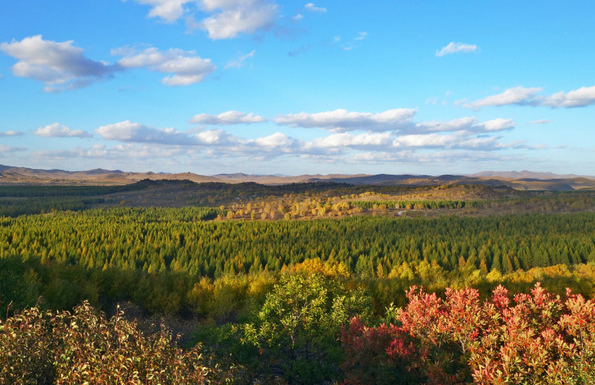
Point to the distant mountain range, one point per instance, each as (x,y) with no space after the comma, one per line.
(526,175)
(521,180)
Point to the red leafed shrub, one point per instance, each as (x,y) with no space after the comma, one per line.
(537,338)
(380,355)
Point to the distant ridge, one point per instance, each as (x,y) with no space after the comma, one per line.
(520,180)
(98,171)
(525,175)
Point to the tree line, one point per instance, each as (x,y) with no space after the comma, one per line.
(184,240)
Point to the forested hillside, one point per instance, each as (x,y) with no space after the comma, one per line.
(231,274)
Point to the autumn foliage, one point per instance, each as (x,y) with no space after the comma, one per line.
(83,347)
(458,338)
(535,338)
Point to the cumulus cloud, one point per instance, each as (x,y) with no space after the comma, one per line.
(127,131)
(582,97)
(119,153)
(456,48)
(313,8)
(229,23)
(57,130)
(469,124)
(275,140)
(229,18)
(498,124)
(185,66)
(522,96)
(341,120)
(10,133)
(97,151)
(59,65)
(465,123)
(395,157)
(458,140)
(516,95)
(388,136)
(239,62)
(168,10)
(225,18)
(212,137)
(346,139)
(227,118)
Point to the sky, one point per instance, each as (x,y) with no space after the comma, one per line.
(293,87)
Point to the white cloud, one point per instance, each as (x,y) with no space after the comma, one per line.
(10,133)
(57,130)
(97,151)
(388,136)
(540,121)
(456,48)
(239,62)
(120,153)
(185,66)
(275,140)
(225,18)
(423,140)
(582,97)
(4,149)
(354,43)
(227,118)
(438,126)
(212,137)
(144,151)
(346,139)
(498,124)
(60,66)
(522,96)
(232,17)
(313,8)
(297,17)
(342,120)
(516,95)
(127,131)
(459,140)
(378,157)
(470,124)
(168,10)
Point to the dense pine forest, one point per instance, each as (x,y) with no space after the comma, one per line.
(300,283)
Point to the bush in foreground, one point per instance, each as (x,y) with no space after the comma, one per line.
(540,339)
(83,347)
(535,338)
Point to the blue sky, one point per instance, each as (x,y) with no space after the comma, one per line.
(293,87)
